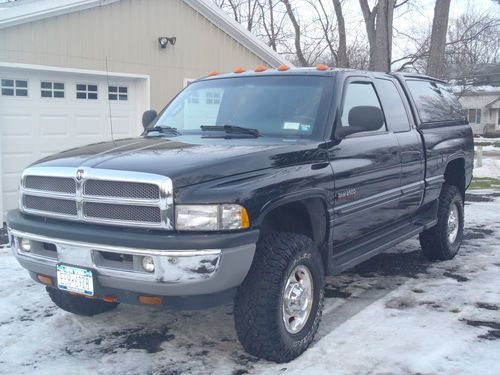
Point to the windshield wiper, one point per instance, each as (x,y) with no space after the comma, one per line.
(232,129)
(163,130)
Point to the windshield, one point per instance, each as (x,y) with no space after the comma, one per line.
(274,105)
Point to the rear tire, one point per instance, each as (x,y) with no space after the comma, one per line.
(79,305)
(278,307)
(443,241)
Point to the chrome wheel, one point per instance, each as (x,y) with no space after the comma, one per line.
(453,223)
(297,299)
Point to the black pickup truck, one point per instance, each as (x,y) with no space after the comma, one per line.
(250,187)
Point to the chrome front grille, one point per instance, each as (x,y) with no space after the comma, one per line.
(44,204)
(133,190)
(142,214)
(55,184)
(98,196)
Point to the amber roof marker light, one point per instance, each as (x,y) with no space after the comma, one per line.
(322,67)
(283,68)
(239,70)
(212,73)
(260,68)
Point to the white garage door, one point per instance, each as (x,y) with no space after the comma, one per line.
(45,111)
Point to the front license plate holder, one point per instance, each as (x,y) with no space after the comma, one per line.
(75,279)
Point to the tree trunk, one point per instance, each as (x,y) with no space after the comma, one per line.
(378,24)
(342,60)
(296,27)
(435,64)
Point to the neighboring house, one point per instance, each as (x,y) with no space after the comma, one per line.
(482,109)
(72,70)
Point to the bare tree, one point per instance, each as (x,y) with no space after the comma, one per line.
(297,34)
(243,11)
(472,39)
(273,21)
(436,63)
(342,58)
(378,23)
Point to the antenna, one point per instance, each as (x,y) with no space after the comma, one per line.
(109,102)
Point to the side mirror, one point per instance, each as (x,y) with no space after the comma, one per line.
(148,117)
(362,118)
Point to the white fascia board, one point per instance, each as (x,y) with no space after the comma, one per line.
(236,31)
(58,69)
(22,12)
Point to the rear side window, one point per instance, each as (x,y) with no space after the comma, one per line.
(434,101)
(359,94)
(393,105)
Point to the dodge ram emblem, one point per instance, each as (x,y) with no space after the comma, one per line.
(79,174)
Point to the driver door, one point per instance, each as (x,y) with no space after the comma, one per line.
(367,172)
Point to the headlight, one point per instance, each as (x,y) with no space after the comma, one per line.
(211,217)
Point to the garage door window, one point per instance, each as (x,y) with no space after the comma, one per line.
(84,91)
(14,87)
(51,89)
(118,92)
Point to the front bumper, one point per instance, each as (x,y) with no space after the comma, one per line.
(181,272)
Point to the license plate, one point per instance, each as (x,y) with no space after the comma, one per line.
(73,279)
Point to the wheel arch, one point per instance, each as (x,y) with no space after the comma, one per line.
(454,173)
(297,213)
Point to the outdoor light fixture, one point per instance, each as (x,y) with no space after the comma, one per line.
(164,40)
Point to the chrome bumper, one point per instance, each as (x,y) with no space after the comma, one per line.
(177,272)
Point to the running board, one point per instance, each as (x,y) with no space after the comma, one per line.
(358,254)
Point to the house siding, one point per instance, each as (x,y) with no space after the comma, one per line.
(489,115)
(125,34)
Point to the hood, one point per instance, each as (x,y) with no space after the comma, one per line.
(187,160)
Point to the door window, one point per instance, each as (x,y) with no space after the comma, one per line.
(394,108)
(14,87)
(117,92)
(359,94)
(84,91)
(434,101)
(50,89)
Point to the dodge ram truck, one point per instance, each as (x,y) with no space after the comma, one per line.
(250,188)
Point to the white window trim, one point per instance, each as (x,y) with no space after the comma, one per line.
(86,91)
(65,91)
(117,85)
(14,88)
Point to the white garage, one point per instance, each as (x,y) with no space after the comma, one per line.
(44,110)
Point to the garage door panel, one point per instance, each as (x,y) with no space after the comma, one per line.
(16,124)
(54,125)
(122,125)
(88,125)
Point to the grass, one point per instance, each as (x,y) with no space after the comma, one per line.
(485,183)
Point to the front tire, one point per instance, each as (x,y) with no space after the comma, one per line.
(443,241)
(79,305)
(278,307)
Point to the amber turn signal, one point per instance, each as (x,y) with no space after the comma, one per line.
(322,67)
(245,220)
(283,67)
(44,279)
(150,300)
(110,299)
(239,69)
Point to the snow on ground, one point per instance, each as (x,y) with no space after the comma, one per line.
(490,168)
(396,313)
